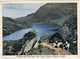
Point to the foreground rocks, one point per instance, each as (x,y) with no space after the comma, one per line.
(28,45)
(45,38)
(68,32)
(22,46)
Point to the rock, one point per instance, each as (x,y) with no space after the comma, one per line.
(64,32)
(36,45)
(21,46)
(68,32)
(28,45)
(45,38)
(33,31)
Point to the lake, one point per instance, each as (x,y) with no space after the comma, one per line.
(40,28)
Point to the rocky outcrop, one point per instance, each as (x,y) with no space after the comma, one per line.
(68,32)
(36,45)
(69,29)
(45,38)
(28,45)
(21,46)
(64,32)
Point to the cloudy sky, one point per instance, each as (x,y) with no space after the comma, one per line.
(15,10)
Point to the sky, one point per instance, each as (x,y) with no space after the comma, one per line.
(15,10)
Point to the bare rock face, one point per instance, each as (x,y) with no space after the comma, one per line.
(36,45)
(28,45)
(45,38)
(33,31)
(69,29)
(64,32)
(68,32)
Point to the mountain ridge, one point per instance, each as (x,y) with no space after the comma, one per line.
(51,11)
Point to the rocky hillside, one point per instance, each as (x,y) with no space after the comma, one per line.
(22,46)
(50,12)
(25,18)
(68,32)
(45,38)
(10,25)
(64,15)
(28,45)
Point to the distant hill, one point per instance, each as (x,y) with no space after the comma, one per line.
(25,18)
(51,11)
(10,25)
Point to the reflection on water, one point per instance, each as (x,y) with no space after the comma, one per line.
(41,29)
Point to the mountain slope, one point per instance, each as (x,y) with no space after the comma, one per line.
(10,25)
(25,18)
(51,11)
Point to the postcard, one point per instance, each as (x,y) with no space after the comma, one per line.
(32,29)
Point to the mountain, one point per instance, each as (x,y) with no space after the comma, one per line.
(25,18)
(61,14)
(10,25)
(50,12)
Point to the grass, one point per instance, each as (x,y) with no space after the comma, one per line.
(59,21)
(16,45)
(41,50)
(10,25)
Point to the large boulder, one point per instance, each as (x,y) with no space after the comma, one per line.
(45,38)
(21,46)
(36,45)
(28,45)
(64,32)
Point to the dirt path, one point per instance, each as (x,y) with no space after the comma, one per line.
(58,51)
(48,45)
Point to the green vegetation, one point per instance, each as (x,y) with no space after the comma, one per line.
(41,50)
(51,13)
(7,47)
(11,47)
(59,21)
(10,25)
(73,48)
(71,23)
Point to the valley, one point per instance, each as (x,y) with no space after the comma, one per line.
(50,23)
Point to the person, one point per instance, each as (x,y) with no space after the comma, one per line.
(56,44)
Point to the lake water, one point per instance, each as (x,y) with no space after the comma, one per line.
(41,29)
